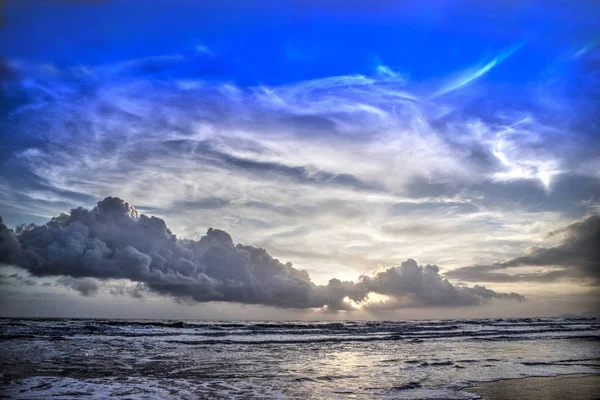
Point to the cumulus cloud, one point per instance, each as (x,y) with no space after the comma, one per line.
(412,284)
(577,255)
(115,241)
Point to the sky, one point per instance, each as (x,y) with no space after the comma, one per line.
(299,159)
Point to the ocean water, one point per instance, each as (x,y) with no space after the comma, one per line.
(143,359)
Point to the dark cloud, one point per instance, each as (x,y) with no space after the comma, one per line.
(483,274)
(115,241)
(576,256)
(88,287)
(422,285)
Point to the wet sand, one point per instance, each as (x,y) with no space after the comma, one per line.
(568,387)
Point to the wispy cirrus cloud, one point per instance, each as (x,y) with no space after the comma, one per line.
(456,136)
(466,77)
(349,166)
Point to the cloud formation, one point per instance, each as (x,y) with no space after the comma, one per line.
(412,284)
(470,76)
(358,158)
(577,256)
(115,241)
(88,287)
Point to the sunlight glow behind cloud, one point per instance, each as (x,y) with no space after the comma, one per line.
(343,147)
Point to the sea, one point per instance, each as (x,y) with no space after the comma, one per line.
(160,359)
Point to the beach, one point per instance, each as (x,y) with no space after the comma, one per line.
(567,387)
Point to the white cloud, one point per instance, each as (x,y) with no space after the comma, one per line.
(353,168)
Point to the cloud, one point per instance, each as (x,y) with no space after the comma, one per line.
(469,76)
(300,174)
(115,241)
(576,256)
(345,162)
(16,279)
(136,290)
(412,284)
(88,287)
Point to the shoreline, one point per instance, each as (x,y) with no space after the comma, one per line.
(559,387)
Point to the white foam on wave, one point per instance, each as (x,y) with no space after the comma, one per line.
(283,360)
(44,387)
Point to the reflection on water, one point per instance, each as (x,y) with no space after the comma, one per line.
(173,359)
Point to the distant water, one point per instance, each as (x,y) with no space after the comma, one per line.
(142,359)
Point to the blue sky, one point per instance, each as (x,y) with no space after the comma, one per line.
(343,136)
(265,42)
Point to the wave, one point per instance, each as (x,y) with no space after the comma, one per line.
(206,332)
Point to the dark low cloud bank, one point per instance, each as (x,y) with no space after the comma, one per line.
(114,241)
(577,256)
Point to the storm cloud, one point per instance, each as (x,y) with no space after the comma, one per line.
(115,241)
(576,256)
(416,284)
